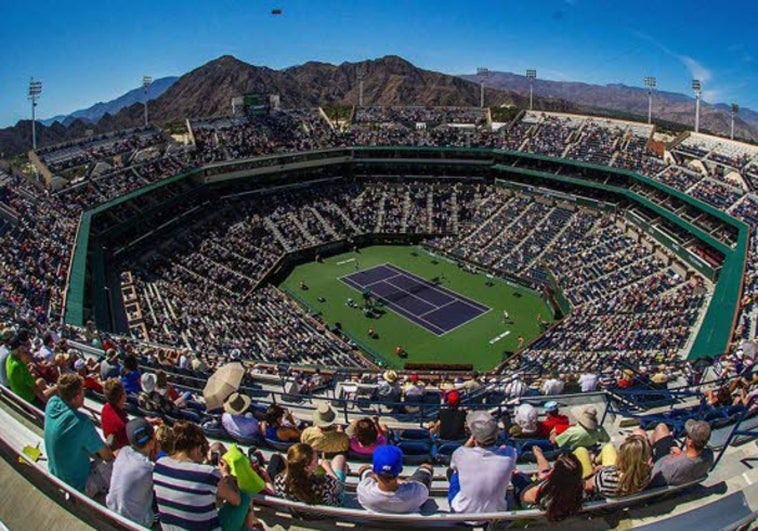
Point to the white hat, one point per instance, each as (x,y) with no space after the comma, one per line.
(148,382)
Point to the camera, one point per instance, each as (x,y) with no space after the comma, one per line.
(215,456)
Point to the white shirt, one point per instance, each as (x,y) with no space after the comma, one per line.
(588,381)
(483,476)
(553,386)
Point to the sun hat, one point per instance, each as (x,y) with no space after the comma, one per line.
(324,416)
(585,416)
(390,376)
(483,427)
(387,460)
(453,398)
(526,418)
(237,404)
(148,382)
(139,432)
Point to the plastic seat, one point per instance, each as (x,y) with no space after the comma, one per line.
(415,452)
(414,434)
(281,446)
(445,451)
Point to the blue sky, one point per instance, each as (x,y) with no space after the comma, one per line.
(87,51)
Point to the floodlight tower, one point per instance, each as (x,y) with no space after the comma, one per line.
(35,89)
(146,82)
(483,74)
(531,75)
(361,74)
(697,87)
(735,110)
(650,83)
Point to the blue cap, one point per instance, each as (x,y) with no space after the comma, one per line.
(552,405)
(388,460)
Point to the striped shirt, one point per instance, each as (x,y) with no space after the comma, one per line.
(186,494)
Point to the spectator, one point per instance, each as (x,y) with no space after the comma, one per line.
(451,420)
(388,389)
(5,352)
(588,381)
(585,433)
(560,489)
(324,436)
(381,490)
(131,488)
(70,440)
(91,382)
(130,375)
(553,385)
(279,425)
(627,379)
(366,435)
(525,421)
(479,473)
(20,378)
(109,367)
(630,471)
(237,421)
(553,421)
(113,417)
(187,488)
(676,467)
(301,482)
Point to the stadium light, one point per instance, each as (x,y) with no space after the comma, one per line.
(735,110)
(650,83)
(697,87)
(361,73)
(35,89)
(483,74)
(146,82)
(531,75)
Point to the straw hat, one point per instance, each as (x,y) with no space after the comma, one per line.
(390,376)
(586,417)
(237,404)
(324,416)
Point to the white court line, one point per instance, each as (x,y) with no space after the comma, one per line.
(440,307)
(498,338)
(429,285)
(399,309)
(343,262)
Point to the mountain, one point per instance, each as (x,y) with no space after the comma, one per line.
(98,110)
(667,106)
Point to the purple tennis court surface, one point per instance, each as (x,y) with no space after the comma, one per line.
(430,306)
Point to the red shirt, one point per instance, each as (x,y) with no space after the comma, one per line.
(92,384)
(114,421)
(559,422)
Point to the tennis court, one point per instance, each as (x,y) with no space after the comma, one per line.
(425,303)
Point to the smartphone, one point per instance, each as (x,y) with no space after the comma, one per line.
(215,456)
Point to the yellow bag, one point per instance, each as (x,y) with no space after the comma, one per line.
(248,479)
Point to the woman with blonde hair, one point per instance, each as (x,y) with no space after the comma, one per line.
(308,479)
(631,472)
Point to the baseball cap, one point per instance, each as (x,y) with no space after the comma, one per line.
(699,431)
(139,432)
(388,460)
(79,364)
(482,426)
(551,405)
(453,398)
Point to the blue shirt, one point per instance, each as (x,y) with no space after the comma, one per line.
(130,382)
(70,440)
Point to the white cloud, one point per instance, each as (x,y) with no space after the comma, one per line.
(697,70)
(713,95)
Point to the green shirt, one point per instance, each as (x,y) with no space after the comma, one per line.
(20,379)
(577,436)
(70,440)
